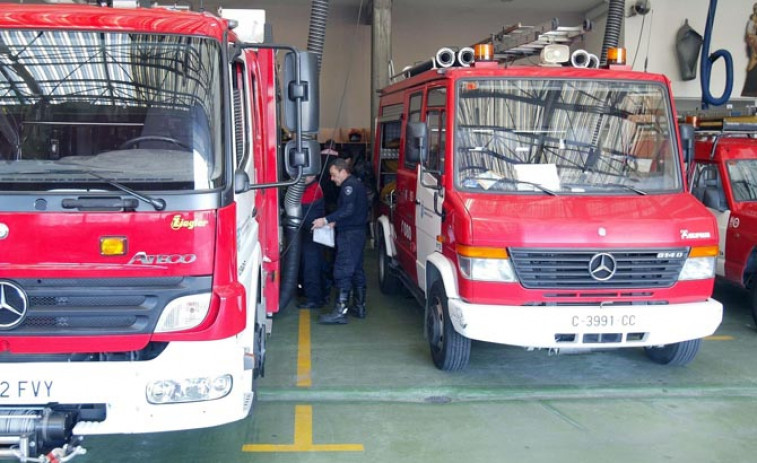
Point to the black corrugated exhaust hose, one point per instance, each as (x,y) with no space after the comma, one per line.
(615,15)
(290,268)
(319,15)
(292,229)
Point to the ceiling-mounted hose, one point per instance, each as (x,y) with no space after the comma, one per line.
(319,13)
(615,16)
(707,60)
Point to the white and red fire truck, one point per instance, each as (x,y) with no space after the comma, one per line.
(139,254)
(724,179)
(542,206)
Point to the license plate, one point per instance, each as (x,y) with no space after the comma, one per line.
(604,321)
(25,389)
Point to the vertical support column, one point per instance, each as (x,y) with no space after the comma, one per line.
(381,52)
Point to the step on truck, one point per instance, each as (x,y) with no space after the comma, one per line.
(542,206)
(724,178)
(139,219)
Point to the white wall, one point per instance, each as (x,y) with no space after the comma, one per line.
(659,35)
(417,33)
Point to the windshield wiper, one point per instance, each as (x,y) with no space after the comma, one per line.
(621,185)
(157,203)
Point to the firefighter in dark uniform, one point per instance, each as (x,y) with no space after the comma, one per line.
(349,220)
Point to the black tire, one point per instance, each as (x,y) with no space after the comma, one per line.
(259,350)
(388,281)
(680,353)
(753,302)
(450,350)
(258,369)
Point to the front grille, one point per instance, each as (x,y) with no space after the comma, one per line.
(570,269)
(100,306)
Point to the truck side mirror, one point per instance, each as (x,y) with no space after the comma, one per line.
(415,142)
(309,158)
(687,141)
(304,89)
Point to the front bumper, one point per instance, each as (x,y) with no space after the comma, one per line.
(121,387)
(586,326)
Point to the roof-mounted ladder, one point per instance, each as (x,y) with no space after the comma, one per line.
(518,41)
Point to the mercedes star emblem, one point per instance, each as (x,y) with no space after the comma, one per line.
(13,305)
(602,266)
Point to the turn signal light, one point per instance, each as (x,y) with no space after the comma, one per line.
(113,245)
(704,251)
(478,251)
(616,55)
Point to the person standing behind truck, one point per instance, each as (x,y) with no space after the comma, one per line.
(349,219)
(312,252)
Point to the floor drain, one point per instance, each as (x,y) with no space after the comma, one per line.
(437,399)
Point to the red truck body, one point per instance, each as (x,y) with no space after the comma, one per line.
(547,209)
(723,178)
(135,275)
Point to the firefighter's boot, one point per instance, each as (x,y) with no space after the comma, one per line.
(358,307)
(338,316)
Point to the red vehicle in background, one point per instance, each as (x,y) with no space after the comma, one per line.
(139,257)
(724,179)
(542,207)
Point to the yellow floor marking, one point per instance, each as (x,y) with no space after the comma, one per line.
(303,437)
(304,376)
(719,338)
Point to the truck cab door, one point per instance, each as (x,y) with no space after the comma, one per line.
(430,195)
(247,229)
(407,178)
(707,187)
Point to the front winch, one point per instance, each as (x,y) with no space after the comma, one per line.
(40,435)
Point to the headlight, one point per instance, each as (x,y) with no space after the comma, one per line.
(184,313)
(698,268)
(474,268)
(168,391)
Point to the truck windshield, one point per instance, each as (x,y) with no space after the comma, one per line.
(571,137)
(743,176)
(141,110)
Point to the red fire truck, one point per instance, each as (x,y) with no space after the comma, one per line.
(542,206)
(139,254)
(724,178)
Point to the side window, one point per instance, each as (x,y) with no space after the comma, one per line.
(414,115)
(389,153)
(708,187)
(435,120)
(242,123)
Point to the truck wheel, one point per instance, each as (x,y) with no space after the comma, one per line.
(450,350)
(388,281)
(680,353)
(754,302)
(259,351)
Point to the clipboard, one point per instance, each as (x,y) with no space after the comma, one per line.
(324,236)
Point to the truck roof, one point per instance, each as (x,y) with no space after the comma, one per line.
(523,72)
(85,17)
(729,146)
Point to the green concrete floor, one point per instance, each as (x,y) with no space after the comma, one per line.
(376,397)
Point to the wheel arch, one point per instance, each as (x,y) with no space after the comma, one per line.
(386,228)
(440,267)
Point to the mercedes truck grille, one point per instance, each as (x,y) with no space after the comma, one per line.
(598,268)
